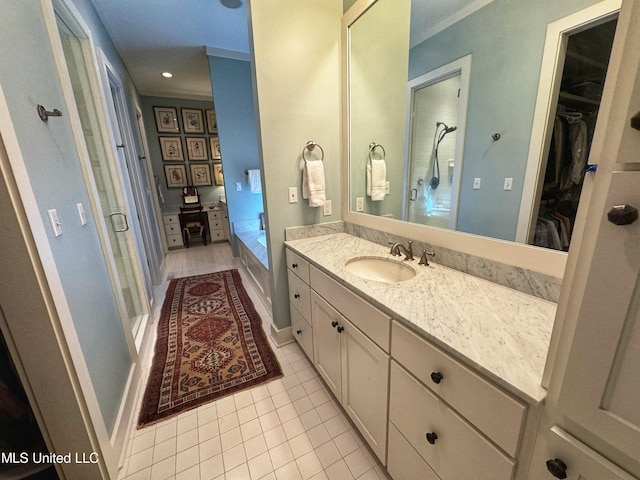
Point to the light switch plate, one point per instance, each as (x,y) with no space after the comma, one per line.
(82,214)
(293,194)
(359,204)
(508,183)
(476,183)
(387,188)
(238,187)
(327,208)
(56,226)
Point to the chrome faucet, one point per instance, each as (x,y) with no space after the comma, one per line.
(423,257)
(398,249)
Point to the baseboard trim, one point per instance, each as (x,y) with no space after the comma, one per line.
(281,336)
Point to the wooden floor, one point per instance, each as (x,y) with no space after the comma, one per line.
(289,429)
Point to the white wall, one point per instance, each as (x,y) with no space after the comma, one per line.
(296,59)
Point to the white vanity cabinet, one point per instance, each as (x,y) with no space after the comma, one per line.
(444,417)
(353,366)
(172,232)
(218,224)
(348,341)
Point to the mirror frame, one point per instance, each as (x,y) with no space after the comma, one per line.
(545,261)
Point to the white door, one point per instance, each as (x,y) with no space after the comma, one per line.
(326,342)
(111,207)
(365,387)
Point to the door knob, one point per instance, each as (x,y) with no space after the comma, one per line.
(622,215)
(334,324)
(296,295)
(436,377)
(340,329)
(432,437)
(294,265)
(557,468)
(298,332)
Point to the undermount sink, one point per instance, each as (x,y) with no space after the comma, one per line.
(380,269)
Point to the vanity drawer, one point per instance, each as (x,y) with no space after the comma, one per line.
(458,451)
(475,398)
(172,229)
(404,463)
(174,241)
(373,322)
(217,234)
(299,295)
(171,219)
(298,265)
(302,331)
(213,214)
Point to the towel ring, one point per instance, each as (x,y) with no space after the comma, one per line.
(311,145)
(373,146)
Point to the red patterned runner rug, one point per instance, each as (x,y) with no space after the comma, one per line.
(210,344)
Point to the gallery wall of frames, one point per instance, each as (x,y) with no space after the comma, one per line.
(184,147)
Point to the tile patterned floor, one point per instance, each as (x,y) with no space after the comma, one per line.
(291,428)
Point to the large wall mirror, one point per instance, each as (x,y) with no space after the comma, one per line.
(482,112)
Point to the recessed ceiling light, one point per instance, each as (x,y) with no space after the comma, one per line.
(167,74)
(231,3)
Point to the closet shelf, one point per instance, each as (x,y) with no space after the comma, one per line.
(579,99)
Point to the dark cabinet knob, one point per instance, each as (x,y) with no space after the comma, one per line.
(296,295)
(294,265)
(432,437)
(299,331)
(557,468)
(436,377)
(334,324)
(622,215)
(340,329)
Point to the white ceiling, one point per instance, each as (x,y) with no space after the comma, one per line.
(153,36)
(165,35)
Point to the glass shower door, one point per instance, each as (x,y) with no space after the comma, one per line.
(119,246)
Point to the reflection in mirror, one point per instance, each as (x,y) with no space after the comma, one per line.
(506,41)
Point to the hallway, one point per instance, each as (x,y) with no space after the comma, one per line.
(288,429)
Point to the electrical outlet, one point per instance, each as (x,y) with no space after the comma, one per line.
(327,208)
(56,226)
(508,183)
(293,194)
(476,183)
(359,204)
(387,188)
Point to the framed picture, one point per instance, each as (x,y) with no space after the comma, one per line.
(176,176)
(197,148)
(192,120)
(215,148)
(171,148)
(212,125)
(200,175)
(218,177)
(166,119)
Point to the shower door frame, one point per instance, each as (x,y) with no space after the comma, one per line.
(462,66)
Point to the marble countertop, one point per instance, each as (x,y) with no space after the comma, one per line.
(501,332)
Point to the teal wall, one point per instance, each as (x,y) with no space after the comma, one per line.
(233,97)
(506,39)
(29,77)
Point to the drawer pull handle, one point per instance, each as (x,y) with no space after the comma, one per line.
(432,437)
(334,324)
(436,377)
(296,295)
(557,468)
(340,329)
(299,332)
(294,265)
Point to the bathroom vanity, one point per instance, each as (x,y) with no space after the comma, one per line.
(432,369)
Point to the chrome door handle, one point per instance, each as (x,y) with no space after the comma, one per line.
(113,225)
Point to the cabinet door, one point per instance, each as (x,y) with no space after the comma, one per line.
(326,342)
(365,386)
(568,456)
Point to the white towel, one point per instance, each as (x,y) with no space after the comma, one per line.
(254,181)
(313,187)
(376,179)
